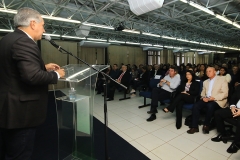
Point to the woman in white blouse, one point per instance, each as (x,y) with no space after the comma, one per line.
(223,72)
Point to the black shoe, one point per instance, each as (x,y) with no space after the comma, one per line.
(178,124)
(152,112)
(110,99)
(218,138)
(151,118)
(233,148)
(205,129)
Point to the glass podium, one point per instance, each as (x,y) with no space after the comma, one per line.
(74,102)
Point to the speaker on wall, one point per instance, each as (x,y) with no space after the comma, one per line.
(139,7)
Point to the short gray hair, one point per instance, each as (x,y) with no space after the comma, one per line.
(25,15)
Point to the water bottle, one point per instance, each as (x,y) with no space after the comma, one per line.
(72,94)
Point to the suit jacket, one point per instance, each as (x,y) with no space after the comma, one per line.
(23,83)
(219,90)
(145,78)
(152,73)
(235,98)
(193,90)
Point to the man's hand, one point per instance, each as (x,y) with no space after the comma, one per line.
(52,67)
(205,99)
(237,112)
(61,73)
(236,84)
(185,92)
(211,98)
(233,109)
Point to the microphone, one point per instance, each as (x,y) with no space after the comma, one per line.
(47,37)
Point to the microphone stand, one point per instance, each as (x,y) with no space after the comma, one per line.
(105,92)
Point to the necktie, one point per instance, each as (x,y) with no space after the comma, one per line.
(120,77)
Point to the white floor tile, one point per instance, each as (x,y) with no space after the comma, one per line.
(218,147)
(206,154)
(152,156)
(123,125)
(150,142)
(199,137)
(124,136)
(183,144)
(168,152)
(164,134)
(139,147)
(188,158)
(135,132)
(235,156)
(149,127)
(137,120)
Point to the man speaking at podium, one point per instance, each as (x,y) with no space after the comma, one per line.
(23,85)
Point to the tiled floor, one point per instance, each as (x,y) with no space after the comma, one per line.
(159,139)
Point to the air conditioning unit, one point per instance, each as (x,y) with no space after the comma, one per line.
(139,7)
(83,31)
(94,44)
(152,49)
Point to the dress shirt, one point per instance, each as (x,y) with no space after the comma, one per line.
(211,82)
(174,83)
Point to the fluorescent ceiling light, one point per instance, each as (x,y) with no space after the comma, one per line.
(220,52)
(201,8)
(132,43)
(183,40)
(233,48)
(93,39)
(131,31)
(150,34)
(204,44)
(113,41)
(236,24)
(8,10)
(97,42)
(60,19)
(184,1)
(73,37)
(224,19)
(219,46)
(169,37)
(6,30)
(53,35)
(168,46)
(157,45)
(145,44)
(97,25)
(194,42)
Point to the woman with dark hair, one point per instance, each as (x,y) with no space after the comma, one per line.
(186,93)
(224,72)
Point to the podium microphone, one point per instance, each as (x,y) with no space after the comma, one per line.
(47,37)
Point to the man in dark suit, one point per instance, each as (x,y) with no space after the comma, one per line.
(123,78)
(232,112)
(23,85)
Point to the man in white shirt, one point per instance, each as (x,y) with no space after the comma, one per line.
(166,86)
(230,112)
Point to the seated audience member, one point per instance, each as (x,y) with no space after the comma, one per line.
(142,79)
(217,68)
(166,86)
(186,93)
(123,79)
(155,71)
(182,71)
(235,74)
(201,73)
(232,112)
(213,96)
(224,73)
